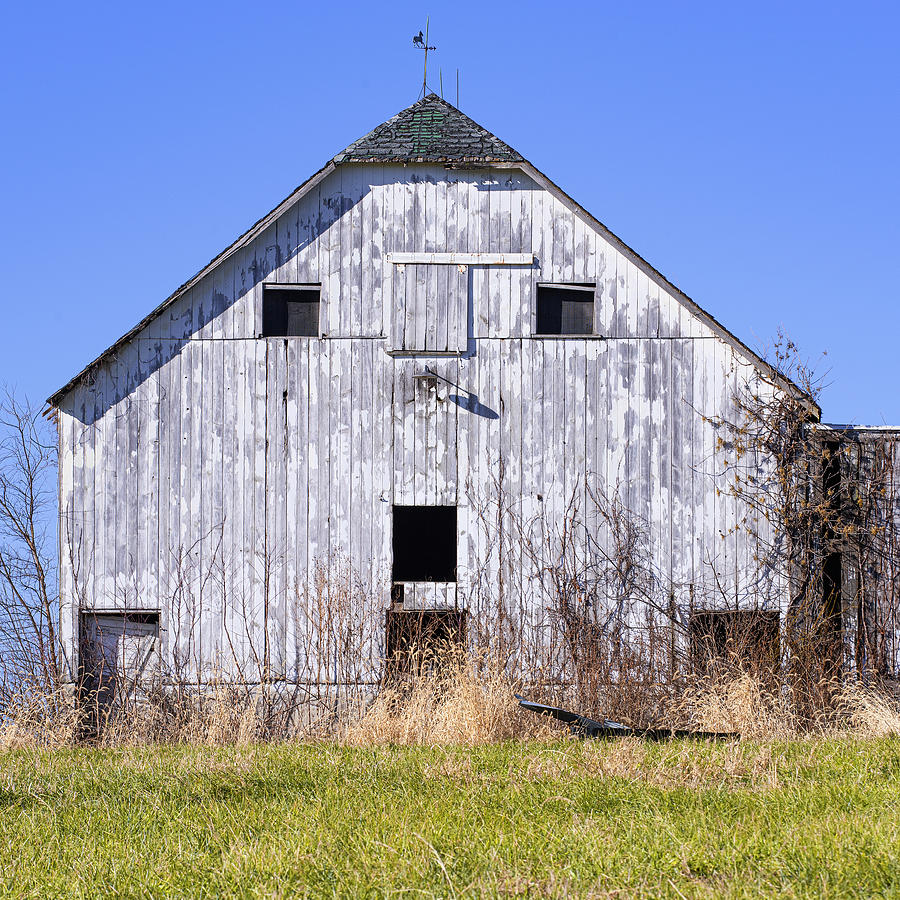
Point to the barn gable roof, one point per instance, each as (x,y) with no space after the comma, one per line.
(429,131)
(434,131)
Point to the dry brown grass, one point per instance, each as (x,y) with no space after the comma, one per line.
(672,765)
(464,701)
(221,714)
(868,712)
(32,720)
(739,704)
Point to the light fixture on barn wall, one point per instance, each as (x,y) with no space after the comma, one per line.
(428,378)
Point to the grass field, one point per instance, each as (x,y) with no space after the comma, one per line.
(796,819)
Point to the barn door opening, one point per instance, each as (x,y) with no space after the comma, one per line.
(724,640)
(117,650)
(421,641)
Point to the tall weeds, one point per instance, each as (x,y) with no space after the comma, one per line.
(462,702)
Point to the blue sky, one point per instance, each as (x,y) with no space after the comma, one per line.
(748,151)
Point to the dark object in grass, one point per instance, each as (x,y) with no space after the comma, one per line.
(582,726)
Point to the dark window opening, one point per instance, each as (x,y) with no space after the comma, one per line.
(424,543)
(565,309)
(418,641)
(291,310)
(744,639)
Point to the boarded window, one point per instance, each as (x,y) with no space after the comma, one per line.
(429,310)
(424,543)
(118,650)
(565,309)
(745,639)
(291,310)
(418,640)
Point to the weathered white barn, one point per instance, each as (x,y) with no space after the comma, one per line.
(368,401)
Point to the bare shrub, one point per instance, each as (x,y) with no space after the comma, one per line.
(29,647)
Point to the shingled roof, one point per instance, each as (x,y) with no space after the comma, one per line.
(431,130)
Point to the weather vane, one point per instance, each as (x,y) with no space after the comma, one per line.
(421,42)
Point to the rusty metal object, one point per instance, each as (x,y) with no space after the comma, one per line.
(582,726)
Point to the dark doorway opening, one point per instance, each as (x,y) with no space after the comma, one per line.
(424,543)
(749,640)
(417,641)
(116,650)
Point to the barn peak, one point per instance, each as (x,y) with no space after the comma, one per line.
(430,131)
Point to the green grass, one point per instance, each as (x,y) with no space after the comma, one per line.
(804,819)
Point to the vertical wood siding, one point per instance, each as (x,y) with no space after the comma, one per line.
(216,476)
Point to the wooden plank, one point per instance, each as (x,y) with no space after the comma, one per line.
(502,277)
(300,355)
(417,457)
(396,314)
(183,554)
(307,255)
(511,443)
(661,507)
(353,253)
(368,297)
(385,433)
(259,572)
(356,454)
(370,404)
(105,461)
(232,493)
(330,258)
(522,278)
(528,507)
(434,309)
(393,218)
(240,326)
(460,258)
(277,451)
(491,453)
(480,236)
(464,511)
(428,223)
(318,455)
(411,297)
(417,332)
